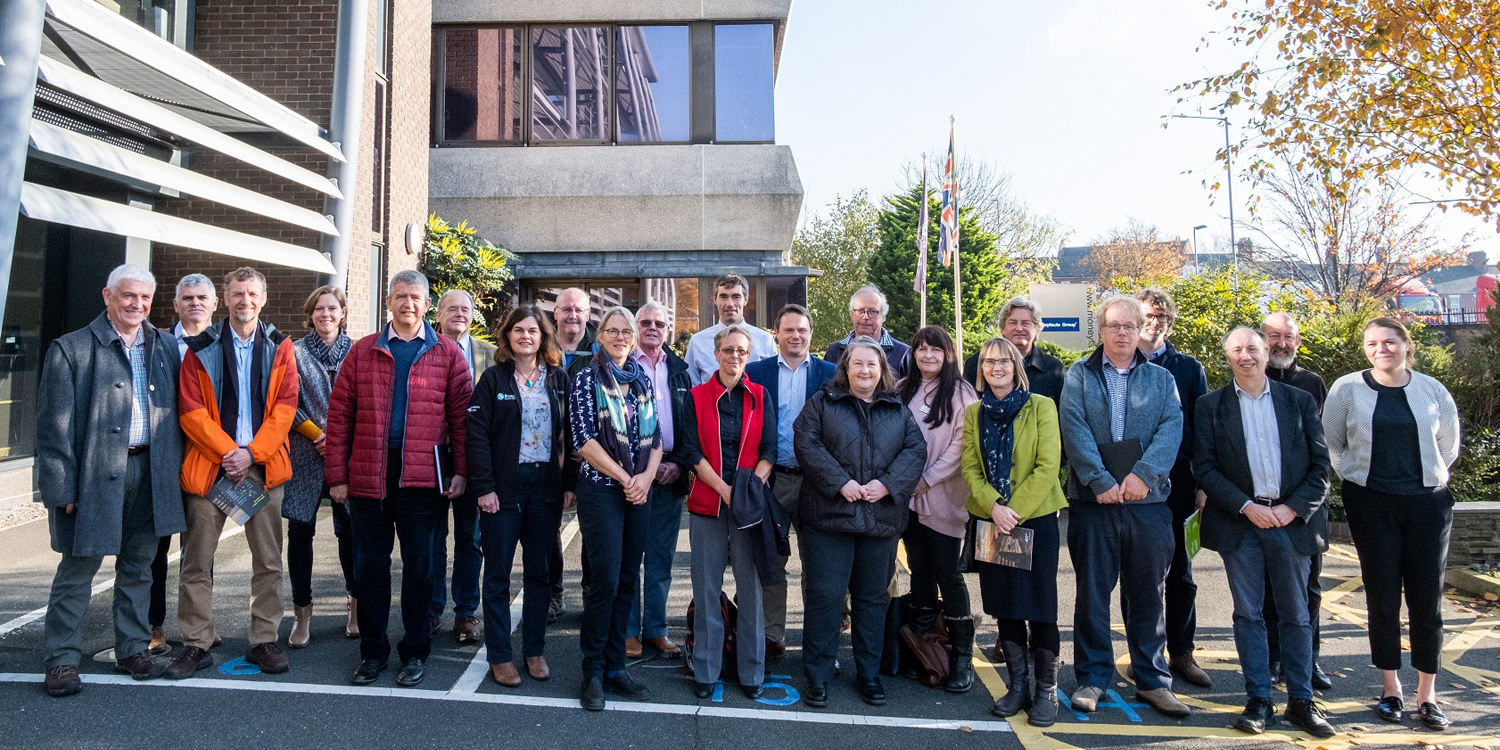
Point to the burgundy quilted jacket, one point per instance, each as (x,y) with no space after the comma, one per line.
(359,414)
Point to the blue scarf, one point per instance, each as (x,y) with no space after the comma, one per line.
(997,438)
(619,394)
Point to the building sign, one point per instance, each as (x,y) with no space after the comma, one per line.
(1057,325)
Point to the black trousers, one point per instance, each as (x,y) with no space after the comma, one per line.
(1402,542)
(532,522)
(833,565)
(933,558)
(410,514)
(1314,612)
(614,531)
(299,553)
(157,612)
(1182,593)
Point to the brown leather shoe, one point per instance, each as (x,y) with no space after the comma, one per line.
(665,646)
(466,629)
(1164,702)
(774,649)
(505,675)
(189,661)
(159,643)
(351,627)
(632,648)
(141,666)
(536,666)
(269,657)
(1187,668)
(63,680)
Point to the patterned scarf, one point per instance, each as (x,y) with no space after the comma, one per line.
(620,393)
(997,439)
(329,356)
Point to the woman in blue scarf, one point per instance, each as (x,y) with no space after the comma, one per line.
(1012,456)
(612,411)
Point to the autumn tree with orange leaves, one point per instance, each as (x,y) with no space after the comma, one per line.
(1134,253)
(1368,88)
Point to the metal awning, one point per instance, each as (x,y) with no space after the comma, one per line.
(61,207)
(134,59)
(90,154)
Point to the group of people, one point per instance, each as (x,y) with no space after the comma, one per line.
(878,443)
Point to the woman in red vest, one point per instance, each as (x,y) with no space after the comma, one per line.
(727,416)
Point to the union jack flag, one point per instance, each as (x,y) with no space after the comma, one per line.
(948,234)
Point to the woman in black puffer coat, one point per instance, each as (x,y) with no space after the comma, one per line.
(861,455)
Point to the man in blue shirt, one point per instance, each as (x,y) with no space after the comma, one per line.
(789,378)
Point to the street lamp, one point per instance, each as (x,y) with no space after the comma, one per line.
(1229,181)
(1196,267)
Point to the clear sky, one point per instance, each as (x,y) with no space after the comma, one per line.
(1066,95)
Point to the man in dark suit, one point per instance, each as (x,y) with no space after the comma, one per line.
(1260,457)
(789,378)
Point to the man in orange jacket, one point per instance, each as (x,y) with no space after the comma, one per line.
(237,400)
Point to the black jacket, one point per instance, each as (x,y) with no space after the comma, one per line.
(679,384)
(755,507)
(495,433)
(841,437)
(1222,466)
(1192,383)
(1298,377)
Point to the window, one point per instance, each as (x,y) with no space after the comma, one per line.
(481,79)
(781,291)
(377,287)
(681,297)
(653,84)
(383,37)
(744,82)
(378,165)
(569,78)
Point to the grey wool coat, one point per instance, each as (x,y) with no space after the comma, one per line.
(83,435)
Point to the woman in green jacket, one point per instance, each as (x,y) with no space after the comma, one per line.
(1012,453)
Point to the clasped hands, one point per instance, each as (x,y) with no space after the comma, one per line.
(1269,517)
(870,492)
(1130,489)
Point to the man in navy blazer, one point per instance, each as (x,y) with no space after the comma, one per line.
(790,379)
(1259,455)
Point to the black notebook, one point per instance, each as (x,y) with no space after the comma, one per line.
(442,460)
(1119,460)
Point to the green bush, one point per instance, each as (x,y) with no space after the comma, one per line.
(456,257)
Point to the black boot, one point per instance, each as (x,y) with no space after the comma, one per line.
(1044,705)
(961,654)
(1018,698)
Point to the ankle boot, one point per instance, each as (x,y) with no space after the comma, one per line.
(961,654)
(1044,704)
(1018,697)
(302,628)
(351,627)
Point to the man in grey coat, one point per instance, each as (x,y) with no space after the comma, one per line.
(108,453)
(1121,427)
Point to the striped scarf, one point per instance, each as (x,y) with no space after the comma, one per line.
(620,394)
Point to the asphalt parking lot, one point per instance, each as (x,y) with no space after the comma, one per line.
(457,705)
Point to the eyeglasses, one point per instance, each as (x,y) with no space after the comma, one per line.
(618,333)
(865,312)
(651,323)
(990,364)
(1160,317)
(735,352)
(572,309)
(1122,328)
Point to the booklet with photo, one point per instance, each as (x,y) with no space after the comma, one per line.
(1192,534)
(1012,550)
(240,500)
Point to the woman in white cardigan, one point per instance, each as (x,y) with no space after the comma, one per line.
(1392,433)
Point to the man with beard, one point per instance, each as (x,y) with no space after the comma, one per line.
(1284,338)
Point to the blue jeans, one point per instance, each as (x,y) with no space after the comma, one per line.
(614,532)
(532,521)
(648,611)
(1263,554)
(466,556)
(408,513)
(1131,545)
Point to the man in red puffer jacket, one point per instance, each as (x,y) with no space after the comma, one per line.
(402,397)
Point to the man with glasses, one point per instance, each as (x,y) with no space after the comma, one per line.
(789,380)
(731,294)
(867,310)
(1121,427)
(1185,498)
(669,377)
(1284,339)
(1021,324)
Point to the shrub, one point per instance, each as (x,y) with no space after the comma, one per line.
(456,257)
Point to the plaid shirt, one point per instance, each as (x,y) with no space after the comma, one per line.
(140,407)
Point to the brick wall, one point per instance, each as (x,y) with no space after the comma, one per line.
(285,50)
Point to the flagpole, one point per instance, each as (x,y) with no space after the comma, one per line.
(922,242)
(958,307)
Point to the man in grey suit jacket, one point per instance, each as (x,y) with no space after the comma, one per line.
(108,453)
(455,312)
(1259,455)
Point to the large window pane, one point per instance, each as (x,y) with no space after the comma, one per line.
(482,85)
(570,72)
(744,80)
(652,86)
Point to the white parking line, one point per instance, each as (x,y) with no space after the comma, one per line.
(679,709)
(473,676)
(99,588)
